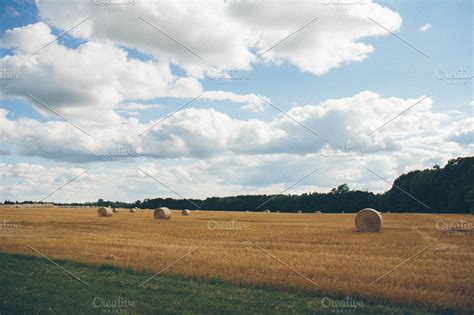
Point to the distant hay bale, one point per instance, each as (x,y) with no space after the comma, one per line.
(317,212)
(185,212)
(133,210)
(162,213)
(104,212)
(299,211)
(266,211)
(278,212)
(115,210)
(368,220)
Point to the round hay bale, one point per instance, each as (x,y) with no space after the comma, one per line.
(185,212)
(278,212)
(368,220)
(115,210)
(133,210)
(266,211)
(317,212)
(299,211)
(104,212)
(162,213)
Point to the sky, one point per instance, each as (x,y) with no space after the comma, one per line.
(134,99)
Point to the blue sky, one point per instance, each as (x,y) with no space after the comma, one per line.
(238,129)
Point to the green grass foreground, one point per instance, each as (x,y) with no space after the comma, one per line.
(33,285)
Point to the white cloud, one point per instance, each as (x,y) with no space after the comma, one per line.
(86,83)
(89,82)
(202,133)
(224,33)
(425,27)
(28,38)
(34,182)
(330,41)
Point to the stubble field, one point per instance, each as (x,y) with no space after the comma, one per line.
(317,253)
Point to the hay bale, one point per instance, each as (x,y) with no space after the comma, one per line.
(368,220)
(185,212)
(278,212)
(115,210)
(266,211)
(299,211)
(317,212)
(104,212)
(133,210)
(162,213)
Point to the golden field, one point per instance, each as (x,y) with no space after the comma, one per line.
(318,253)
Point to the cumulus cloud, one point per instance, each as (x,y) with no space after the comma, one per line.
(89,82)
(93,80)
(202,133)
(229,35)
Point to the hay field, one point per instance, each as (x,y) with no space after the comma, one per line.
(321,254)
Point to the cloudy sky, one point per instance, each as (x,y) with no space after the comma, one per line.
(134,99)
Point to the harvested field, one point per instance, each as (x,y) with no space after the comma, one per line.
(326,255)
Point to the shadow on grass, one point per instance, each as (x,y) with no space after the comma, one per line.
(33,285)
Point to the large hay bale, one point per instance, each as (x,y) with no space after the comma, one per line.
(162,213)
(133,210)
(185,212)
(368,220)
(104,212)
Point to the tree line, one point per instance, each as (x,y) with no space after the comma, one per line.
(449,189)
